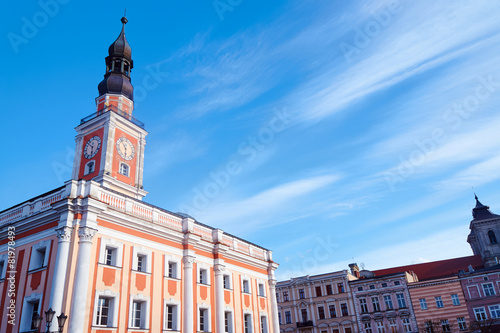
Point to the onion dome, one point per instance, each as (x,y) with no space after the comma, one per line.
(118,67)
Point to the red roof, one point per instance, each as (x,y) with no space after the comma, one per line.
(436,269)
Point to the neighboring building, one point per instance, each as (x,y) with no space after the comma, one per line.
(484,234)
(482,296)
(383,303)
(439,305)
(317,304)
(113,263)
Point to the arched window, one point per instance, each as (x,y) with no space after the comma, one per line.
(492,237)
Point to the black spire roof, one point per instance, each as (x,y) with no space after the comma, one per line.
(482,212)
(119,64)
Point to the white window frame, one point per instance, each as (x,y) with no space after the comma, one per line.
(462,324)
(317,310)
(380,327)
(286,317)
(114,298)
(455,299)
(246,281)
(207,317)
(400,298)
(200,268)
(227,281)
(177,269)
(142,251)
(423,304)
(118,253)
(230,319)
(482,311)
(264,323)
(393,325)
(261,288)
(494,311)
(86,170)
(445,323)
(3,269)
(144,300)
(127,174)
(388,303)
(248,314)
(27,311)
(439,302)
(363,305)
(176,316)
(406,324)
(35,259)
(490,284)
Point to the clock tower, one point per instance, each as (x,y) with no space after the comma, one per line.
(110,142)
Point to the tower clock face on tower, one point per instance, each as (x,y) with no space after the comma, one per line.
(92,147)
(125,148)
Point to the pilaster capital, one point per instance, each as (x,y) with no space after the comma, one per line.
(86,234)
(64,234)
(188,261)
(272,283)
(219,269)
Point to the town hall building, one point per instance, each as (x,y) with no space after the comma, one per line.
(95,251)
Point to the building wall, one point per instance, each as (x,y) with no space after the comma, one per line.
(448,309)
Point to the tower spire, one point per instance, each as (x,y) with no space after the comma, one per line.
(117,82)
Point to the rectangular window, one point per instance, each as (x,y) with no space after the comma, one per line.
(462,325)
(494,311)
(488,289)
(480,314)
(329,290)
(261,290)
(393,326)
(34,312)
(343,310)
(304,315)
(401,300)
(277,297)
(375,304)
(423,304)
(321,312)
(318,291)
(279,318)
(360,288)
(40,257)
(372,286)
(102,312)
(445,325)
(285,296)
(247,323)
(439,302)
(203,320)
(136,314)
(455,300)
(203,276)
(246,286)
(263,324)
(288,317)
(124,169)
(302,294)
(110,256)
(171,317)
(363,305)
(141,263)
(384,285)
(380,327)
(340,287)
(172,269)
(368,327)
(228,322)
(397,283)
(388,302)
(2,265)
(333,312)
(227,283)
(347,330)
(407,324)
(429,327)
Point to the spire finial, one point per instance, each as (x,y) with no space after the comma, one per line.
(475,196)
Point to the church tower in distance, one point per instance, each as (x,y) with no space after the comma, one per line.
(484,234)
(110,142)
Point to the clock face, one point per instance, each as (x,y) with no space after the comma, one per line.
(125,148)
(92,147)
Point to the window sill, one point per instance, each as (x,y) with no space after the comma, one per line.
(111,328)
(172,278)
(110,266)
(204,284)
(141,272)
(34,270)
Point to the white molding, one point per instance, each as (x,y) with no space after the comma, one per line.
(114,305)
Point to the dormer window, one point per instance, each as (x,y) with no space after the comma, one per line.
(492,237)
(124,170)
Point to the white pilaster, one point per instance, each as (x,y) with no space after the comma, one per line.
(188,320)
(275,328)
(219,297)
(79,300)
(61,267)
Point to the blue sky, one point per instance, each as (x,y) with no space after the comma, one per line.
(327,131)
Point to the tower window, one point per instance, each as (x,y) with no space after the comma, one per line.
(124,169)
(89,167)
(492,237)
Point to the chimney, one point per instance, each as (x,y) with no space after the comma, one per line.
(354,269)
